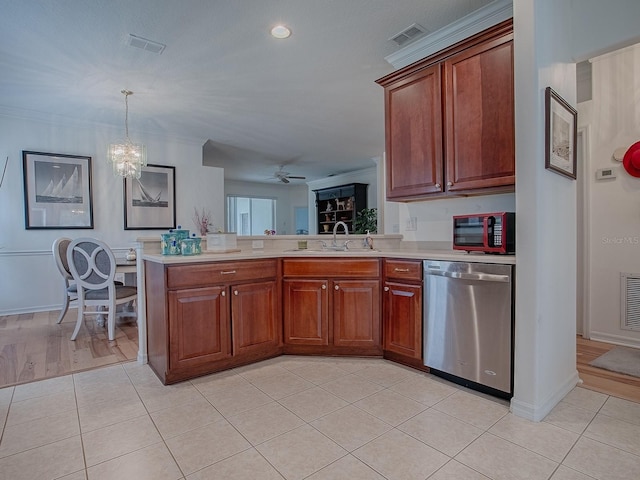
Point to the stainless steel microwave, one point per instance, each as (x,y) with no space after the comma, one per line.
(485,232)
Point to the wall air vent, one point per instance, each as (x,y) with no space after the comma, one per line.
(408,34)
(630,301)
(145,44)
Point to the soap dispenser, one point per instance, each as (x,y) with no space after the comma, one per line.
(368,241)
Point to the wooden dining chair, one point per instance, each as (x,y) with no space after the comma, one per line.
(93,267)
(69,288)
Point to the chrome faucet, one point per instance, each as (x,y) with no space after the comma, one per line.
(334,244)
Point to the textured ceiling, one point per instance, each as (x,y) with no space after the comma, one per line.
(308,102)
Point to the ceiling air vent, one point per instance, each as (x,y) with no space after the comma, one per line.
(408,34)
(145,44)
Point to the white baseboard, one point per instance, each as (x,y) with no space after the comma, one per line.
(41,308)
(615,339)
(536,413)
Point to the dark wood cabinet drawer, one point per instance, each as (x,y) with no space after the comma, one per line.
(331,267)
(410,270)
(201,274)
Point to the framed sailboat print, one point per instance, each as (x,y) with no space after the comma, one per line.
(57,191)
(150,201)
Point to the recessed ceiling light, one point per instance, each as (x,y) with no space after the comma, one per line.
(280,31)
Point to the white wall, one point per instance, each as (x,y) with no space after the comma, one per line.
(29,280)
(614,205)
(434,222)
(288,196)
(546,214)
(549,35)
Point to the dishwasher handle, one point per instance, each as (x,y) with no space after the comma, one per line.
(483,277)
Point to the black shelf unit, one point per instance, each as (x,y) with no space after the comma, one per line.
(341,203)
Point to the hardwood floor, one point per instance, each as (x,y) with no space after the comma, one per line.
(34,347)
(598,379)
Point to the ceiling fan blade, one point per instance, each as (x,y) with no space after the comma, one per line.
(300,178)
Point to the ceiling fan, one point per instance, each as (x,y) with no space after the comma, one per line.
(284,177)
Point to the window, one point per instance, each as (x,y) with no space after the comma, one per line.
(250,215)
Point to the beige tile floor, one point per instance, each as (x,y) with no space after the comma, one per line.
(304,418)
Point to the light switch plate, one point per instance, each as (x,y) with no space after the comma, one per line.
(606,173)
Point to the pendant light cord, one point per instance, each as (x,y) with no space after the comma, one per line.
(126,113)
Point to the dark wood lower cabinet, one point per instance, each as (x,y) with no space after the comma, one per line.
(206,317)
(306,312)
(402,311)
(338,314)
(203,318)
(356,313)
(254,318)
(198,327)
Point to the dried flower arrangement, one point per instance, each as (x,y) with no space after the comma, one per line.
(203,220)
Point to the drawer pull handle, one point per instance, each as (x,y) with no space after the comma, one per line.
(235,292)
(227,272)
(324,287)
(437,185)
(449,184)
(223,294)
(386,289)
(337,287)
(403,270)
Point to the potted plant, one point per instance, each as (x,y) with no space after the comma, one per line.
(366,220)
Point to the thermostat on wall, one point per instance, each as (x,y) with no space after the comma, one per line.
(605,173)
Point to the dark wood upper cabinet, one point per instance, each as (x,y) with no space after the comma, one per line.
(449,120)
(480,135)
(414,134)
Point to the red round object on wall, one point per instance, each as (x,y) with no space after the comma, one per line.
(631,160)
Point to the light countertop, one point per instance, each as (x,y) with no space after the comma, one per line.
(446,255)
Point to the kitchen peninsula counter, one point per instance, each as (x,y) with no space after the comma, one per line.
(263,274)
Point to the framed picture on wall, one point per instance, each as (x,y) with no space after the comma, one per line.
(57,191)
(561,131)
(150,201)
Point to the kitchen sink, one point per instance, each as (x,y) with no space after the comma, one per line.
(330,251)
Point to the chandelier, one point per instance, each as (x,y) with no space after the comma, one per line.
(127,158)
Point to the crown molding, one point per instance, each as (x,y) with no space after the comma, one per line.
(483,18)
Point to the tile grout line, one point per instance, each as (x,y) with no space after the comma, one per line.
(84,453)
(163,440)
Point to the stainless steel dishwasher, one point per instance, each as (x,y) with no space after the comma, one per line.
(468,320)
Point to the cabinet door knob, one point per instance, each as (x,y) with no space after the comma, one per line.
(437,185)
(386,289)
(235,292)
(223,294)
(227,272)
(337,287)
(449,184)
(324,287)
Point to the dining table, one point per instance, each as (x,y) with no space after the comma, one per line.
(128,268)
